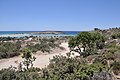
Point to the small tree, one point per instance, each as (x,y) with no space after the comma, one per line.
(88,41)
(28,59)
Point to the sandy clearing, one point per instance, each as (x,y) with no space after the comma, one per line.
(41,60)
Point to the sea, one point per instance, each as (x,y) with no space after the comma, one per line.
(28,33)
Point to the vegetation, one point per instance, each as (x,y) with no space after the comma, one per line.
(44,45)
(65,68)
(12,74)
(89,41)
(116,67)
(116,35)
(8,49)
(99,60)
(60,68)
(28,59)
(6,38)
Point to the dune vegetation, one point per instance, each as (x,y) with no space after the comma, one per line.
(99,60)
(11,47)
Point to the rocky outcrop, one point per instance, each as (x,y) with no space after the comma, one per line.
(103,76)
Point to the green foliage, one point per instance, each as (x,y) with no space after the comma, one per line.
(45,45)
(96,29)
(6,38)
(86,71)
(28,59)
(8,49)
(113,45)
(72,42)
(60,68)
(89,51)
(116,67)
(116,35)
(12,74)
(67,67)
(63,68)
(7,74)
(112,51)
(89,41)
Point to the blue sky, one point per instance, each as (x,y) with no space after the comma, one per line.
(67,15)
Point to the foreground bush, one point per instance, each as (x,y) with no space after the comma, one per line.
(12,74)
(60,68)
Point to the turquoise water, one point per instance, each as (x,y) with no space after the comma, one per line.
(28,33)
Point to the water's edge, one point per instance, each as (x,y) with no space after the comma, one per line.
(28,33)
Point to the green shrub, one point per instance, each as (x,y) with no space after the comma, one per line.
(8,49)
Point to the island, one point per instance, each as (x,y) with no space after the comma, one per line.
(48,32)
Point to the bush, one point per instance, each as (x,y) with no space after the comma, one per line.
(8,49)
(116,35)
(116,67)
(12,74)
(45,45)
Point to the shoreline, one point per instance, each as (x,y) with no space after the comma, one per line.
(34,35)
(37,33)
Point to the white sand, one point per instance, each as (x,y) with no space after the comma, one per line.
(14,35)
(41,60)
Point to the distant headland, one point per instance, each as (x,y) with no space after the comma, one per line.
(48,32)
(37,33)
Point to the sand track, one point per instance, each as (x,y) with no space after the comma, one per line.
(41,60)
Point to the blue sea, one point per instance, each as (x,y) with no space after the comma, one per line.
(28,33)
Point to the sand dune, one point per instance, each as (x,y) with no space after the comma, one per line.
(41,60)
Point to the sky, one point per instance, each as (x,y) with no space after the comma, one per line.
(62,15)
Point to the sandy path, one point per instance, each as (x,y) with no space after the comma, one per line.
(41,60)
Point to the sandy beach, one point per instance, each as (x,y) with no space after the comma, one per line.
(14,35)
(41,61)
